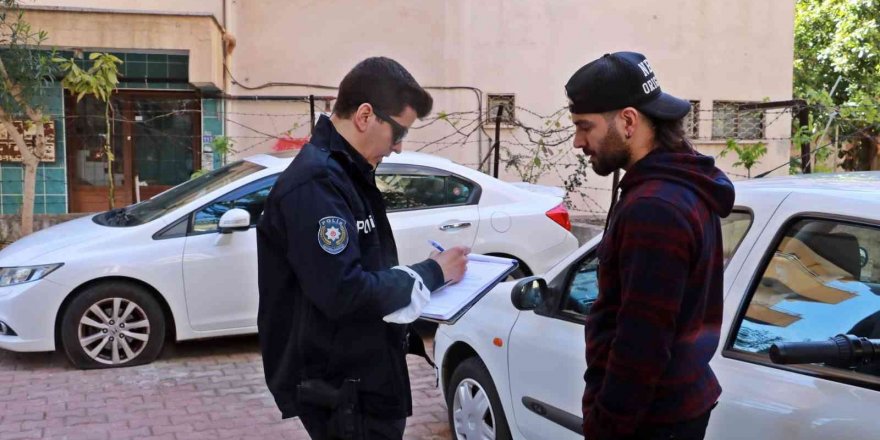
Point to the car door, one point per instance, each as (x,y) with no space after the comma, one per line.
(546,356)
(426,203)
(814,273)
(220,270)
(547,350)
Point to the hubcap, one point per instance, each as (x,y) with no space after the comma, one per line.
(472,413)
(114,331)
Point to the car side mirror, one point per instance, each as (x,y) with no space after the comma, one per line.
(235,220)
(528,293)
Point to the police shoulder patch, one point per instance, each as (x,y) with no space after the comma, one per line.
(332,235)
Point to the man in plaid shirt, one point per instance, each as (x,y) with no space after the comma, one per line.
(656,323)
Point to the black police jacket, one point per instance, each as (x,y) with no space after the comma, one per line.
(326,255)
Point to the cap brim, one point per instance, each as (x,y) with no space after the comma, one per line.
(666,107)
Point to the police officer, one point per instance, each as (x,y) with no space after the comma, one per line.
(334,303)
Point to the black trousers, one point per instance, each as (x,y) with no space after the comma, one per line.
(315,423)
(694,429)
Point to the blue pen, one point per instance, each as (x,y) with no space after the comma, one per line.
(436,245)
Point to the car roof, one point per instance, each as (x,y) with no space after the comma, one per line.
(852,182)
(282,159)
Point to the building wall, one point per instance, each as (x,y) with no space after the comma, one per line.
(707,51)
(51,191)
(199,37)
(51,186)
(212,7)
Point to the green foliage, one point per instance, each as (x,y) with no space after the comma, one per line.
(547,153)
(840,38)
(833,38)
(222,145)
(25,71)
(26,67)
(198,173)
(748,155)
(99,80)
(531,164)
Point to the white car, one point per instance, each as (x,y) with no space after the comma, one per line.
(108,288)
(802,263)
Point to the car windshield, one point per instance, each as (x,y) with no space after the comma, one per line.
(149,210)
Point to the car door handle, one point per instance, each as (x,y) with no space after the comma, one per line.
(451,226)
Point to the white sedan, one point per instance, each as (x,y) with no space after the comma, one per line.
(108,289)
(802,263)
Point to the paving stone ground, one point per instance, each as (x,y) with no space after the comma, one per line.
(209,389)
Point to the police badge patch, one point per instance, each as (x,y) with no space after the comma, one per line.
(332,235)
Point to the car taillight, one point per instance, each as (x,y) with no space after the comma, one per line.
(560,215)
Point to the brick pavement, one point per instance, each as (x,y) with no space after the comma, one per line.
(211,389)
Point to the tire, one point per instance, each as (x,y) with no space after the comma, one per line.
(468,418)
(89,339)
(521,271)
(517,274)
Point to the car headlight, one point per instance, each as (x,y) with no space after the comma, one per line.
(10,276)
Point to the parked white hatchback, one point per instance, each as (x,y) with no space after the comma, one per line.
(109,288)
(802,263)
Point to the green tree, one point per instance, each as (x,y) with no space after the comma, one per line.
(25,71)
(222,146)
(841,38)
(749,155)
(100,80)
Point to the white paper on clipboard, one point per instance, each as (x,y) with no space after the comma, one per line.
(483,272)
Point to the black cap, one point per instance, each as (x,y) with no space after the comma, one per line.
(619,80)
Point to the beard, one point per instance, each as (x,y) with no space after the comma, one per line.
(615,153)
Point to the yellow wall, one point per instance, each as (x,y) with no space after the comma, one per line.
(199,36)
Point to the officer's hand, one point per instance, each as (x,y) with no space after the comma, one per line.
(453,262)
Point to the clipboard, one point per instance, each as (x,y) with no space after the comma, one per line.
(450,302)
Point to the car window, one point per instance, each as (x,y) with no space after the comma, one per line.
(151,209)
(583,289)
(251,198)
(822,279)
(415,191)
(733,230)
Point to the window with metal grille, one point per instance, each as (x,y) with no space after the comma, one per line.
(508,101)
(692,121)
(730,122)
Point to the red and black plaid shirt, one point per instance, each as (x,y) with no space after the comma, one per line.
(656,323)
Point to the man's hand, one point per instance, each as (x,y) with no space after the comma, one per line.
(453,262)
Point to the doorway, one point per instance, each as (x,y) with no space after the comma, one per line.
(155,141)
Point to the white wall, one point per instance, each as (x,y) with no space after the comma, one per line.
(701,50)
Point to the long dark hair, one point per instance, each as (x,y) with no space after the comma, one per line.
(670,136)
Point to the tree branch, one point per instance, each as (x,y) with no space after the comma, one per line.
(15,91)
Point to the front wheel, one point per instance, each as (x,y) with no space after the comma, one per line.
(475,411)
(112,324)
